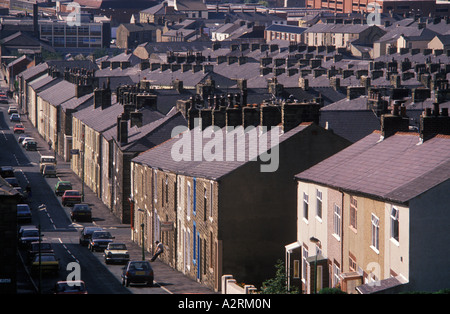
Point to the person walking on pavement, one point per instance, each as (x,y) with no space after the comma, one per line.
(159,250)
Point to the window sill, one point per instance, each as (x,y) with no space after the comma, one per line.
(375,249)
(395,242)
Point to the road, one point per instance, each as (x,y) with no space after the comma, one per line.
(57,227)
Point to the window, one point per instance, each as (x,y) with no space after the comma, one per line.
(167,189)
(188,200)
(353,212)
(337,221)
(205,203)
(211,250)
(305,206)
(296,273)
(211,193)
(319,204)
(375,232)
(155,186)
(336,274)
(394,224)
(304,263)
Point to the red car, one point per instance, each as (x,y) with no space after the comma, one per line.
(19,128)
(71,197)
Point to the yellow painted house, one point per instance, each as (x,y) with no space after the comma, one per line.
(374,217)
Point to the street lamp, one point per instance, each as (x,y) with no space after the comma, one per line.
(317,242)
(41,207)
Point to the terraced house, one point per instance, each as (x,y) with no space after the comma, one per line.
(224,216)
(373,218)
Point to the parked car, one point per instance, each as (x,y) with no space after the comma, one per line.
(23,213)
(4,99)
(116,253)
(62,186)
(12,109)
(86,233)
(6,171)
(19,128)
(46,160)
(49,171)
(71,197)
(26,139)
(21,138)
(46,247)
(100,240)
(15,117)
(12,181)
(81,212)
(27,235)
(31,145)
(70,287)
(49,264)
(137,272)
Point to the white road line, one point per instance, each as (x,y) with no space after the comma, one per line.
(68,251)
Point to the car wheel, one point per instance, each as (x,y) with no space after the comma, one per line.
(150,283)
(127,283)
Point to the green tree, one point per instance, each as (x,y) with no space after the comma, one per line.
(277,285)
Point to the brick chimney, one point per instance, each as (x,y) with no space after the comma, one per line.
(433,122)
(136,118)
(397,121)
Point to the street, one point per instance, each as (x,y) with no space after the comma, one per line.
(58,229)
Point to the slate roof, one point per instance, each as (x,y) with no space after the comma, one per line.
(395,169)
(286,28)
(337,28)
(75,102)
(161,155)
(58,93)
(150,134)
(100,119)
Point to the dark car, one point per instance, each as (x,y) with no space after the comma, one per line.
(100,240)
(137,272)
(31,145)
(70,287)
(62,186)
(15,117)
(71,197)
(27,235)
(23,213)
(46,247)
(6,171)
(81,212)
(12,181)
(86,233)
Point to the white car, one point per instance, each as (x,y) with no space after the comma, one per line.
(116,252)
(27,139)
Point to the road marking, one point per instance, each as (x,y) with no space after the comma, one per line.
(68,251)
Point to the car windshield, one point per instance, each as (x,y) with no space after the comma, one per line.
(72,193)
(139,266)
(19,126)
(49,167)
(117,246)
(30,233)
(91,230)
(44,246)
(45,258)
(101,235)
(23,209)
(81,207)
(64,185)
(64,287)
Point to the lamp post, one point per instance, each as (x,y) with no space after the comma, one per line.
(40,208)
(317,242)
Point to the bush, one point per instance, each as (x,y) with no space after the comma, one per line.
(277,285)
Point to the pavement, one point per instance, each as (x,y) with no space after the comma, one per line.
(171,280)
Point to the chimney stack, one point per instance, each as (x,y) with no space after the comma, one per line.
(394,122)
(434,122)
